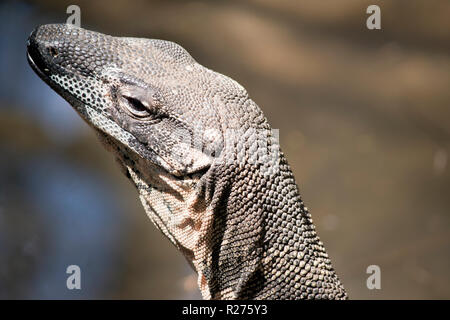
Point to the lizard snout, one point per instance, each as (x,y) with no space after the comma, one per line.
(34,54)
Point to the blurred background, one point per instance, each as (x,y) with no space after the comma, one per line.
(364,119)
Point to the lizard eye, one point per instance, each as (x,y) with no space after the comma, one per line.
(136,107)
(138,101)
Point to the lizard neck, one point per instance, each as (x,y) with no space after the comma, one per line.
(243,227)
(263,244)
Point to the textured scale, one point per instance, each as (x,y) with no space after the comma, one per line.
(206,164)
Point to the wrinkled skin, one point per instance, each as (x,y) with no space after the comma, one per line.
(204,160)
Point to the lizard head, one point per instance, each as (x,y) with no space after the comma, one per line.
(140,94)
(160,112)
(202,156)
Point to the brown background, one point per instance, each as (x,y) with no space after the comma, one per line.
(363,117)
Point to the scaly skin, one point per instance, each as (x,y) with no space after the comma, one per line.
(206,164)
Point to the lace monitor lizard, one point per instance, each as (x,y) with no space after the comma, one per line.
(207,166)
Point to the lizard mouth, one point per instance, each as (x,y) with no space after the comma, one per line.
(32,58)
(36,59)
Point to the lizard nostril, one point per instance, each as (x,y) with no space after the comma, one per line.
(53,51)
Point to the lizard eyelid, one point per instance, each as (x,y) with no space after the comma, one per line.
(136,107)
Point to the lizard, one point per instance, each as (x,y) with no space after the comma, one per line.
(207,166)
